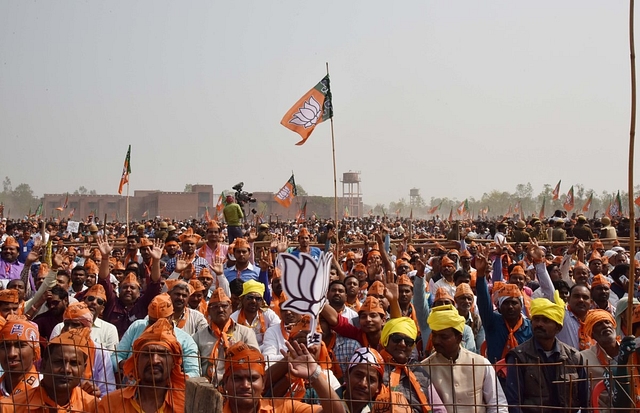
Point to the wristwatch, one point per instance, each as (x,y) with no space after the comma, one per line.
(315,374)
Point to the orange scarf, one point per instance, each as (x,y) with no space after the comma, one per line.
(335,366)
(242,320)
(584,341)
(223,337)
(202,307)
(29,380)
(174,399)
(36,399)
(511,340)
(355,306)
(183,320)
(130,257)
(394,380)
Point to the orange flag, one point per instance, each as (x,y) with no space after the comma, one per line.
(313,108)
(569,200)
(541,214)
(637,201)
(556,191)
(126,170)
(286,194)
(587,204)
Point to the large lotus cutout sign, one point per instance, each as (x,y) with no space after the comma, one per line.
(306,282)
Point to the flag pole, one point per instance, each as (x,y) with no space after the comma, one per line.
(632,133)
(127,207)
(335,179)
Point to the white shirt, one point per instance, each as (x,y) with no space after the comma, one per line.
(103,333)
(270,318)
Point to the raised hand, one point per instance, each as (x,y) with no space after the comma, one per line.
(181,262)
(103,246)
(33,255)
(57,261)
(301,362)
(157,248)
(420,267)
(218,266)
(535,251)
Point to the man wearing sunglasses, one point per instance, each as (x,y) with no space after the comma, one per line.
(103,333)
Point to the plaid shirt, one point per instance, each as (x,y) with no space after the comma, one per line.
(198,264)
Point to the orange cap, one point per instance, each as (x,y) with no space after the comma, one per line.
(372,304)
(160,307)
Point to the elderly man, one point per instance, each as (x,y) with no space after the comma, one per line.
(10,267)
(19,351)
(159,308)
(191,321)
(465,381)
(529,386)
(130,304)
(63,364)
(155,366)
(223,331)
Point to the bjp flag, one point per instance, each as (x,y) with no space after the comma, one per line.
(286,194)
(313,108)
(569,201)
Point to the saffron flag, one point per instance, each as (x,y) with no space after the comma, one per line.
(615,208)
(637,201)
(286,194)
(556,191)
(206,214)
(541,215)
(145,214)
(463,207)
(126,170)
(59,209)
(220,206)
(587,205)
(435,208)
(569,201)
(313,108)
(66,202)
(301,216)
(73,211)
(451,215)
(509,211)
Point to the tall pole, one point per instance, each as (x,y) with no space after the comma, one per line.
(127,217)
(335,176)
(632,133)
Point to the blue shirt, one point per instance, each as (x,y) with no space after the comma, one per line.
(25,249)
(190,360)
(249,273)
(495,327)
(314,252)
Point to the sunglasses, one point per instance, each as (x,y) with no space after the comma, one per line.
(98,300)
(253,298)
(396,339)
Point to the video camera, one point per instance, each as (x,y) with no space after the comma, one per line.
(242,197)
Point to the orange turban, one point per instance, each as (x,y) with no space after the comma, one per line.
(172,283)
(18,328)
(160,307)
(443,294)
(580,264)
(374,253)
(79,312)
(145,242)
(517,269)
(205,273)
(96,290)
(219,296)
(9,296)
(11,242)
(118,266)
(76,337)
(447,262)
(130,279)
(600,280)
(162,334)
(189,235)
(372,304)
(465,253)
(241,356)
(404,280)
(360,267)
(597,245)
(212,225)
(596,316)
(196,285)
(91,267)
(376,288)
(351,255)
(303,232)
(241,243)
(508,291)
(463,289)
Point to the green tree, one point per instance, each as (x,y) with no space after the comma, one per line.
(301,191)
(188,188)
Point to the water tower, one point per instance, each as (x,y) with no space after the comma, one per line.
(351,195)
(414,196)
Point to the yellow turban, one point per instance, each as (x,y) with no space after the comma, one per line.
(252,286)
(445,316)
(402,325)
(545,308)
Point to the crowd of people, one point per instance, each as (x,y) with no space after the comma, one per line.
(421,316)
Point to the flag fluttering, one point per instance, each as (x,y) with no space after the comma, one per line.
(637,201)
(312,108)
(73,211)
(569,201)
(220,206)
(126,170)
(556,191)
(451,215)
(463,207)
(587,205)
(39,210)
(301,216)
(346,212)
(435,208)
(615,207)
(541,214)
(207,217)
(145,214)
(286,194)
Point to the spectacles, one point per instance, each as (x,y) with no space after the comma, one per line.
(98,300)
(219,307)
(396,339)
(253,298)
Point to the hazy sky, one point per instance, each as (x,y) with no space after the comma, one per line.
(453,97)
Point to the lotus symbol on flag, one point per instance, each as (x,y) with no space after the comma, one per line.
(305,282)
(308,114)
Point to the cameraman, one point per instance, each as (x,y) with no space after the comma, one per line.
(234,216)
